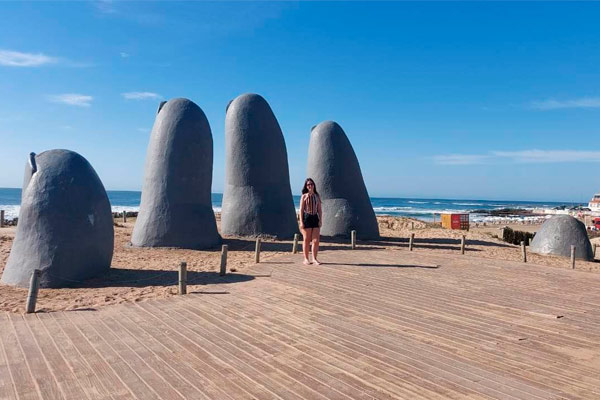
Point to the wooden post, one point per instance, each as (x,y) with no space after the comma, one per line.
(411,241)
(412,226)
(295,245)
(594,249)
(462,244)
(183,278)
(529,240)
(257,251)
(34,286)
(124,216)
(223,260)
(572,256)
(1,218)
(524,251)
(434,218)
(353,239)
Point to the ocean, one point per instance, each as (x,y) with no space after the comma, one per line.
(423,209)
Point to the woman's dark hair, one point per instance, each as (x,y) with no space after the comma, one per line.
(305,188)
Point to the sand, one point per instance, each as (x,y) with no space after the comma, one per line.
(141,273)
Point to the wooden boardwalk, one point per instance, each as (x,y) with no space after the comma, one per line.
(375,325)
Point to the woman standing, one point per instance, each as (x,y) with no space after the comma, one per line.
(310,219)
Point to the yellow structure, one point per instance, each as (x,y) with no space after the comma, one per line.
(455,221)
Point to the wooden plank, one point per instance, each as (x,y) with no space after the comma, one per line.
(131,378)
(23,383)
(7,389)
(328,373)
(143,369)
(302,383)
(157,356)
(110,380)
(212,371)
(56,364)
(84,375)
(346,305)
(256,370)
(321,345)
(303,304)
(42,375)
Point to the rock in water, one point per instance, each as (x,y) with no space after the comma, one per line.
(65,224)
(176,207)
(257,199)
(333,165)
(558,234)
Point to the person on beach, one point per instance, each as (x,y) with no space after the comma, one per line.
(311,218)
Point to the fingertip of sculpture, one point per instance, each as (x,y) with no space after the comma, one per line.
(257,199)
(333,165)
(176,207)
(65,223)
(558,234)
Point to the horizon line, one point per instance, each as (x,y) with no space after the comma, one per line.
(387,197)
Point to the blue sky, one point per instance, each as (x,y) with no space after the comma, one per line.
(446,100)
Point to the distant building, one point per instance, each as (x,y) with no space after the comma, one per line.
(594,204)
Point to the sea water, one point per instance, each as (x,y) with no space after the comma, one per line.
(424,209)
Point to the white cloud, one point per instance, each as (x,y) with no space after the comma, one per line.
(460,159)
(552,104)
(141,96)
(517,157)
(18,59)
(124,55)
(549,156)
(72,99)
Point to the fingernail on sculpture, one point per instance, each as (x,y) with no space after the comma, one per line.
(558,234)
(333,165)
(176,207)
(65,223)
(257,199)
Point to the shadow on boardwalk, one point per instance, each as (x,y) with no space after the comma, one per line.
(326,243)
(384,265)
(118,277)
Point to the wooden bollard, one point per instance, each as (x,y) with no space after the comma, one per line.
(124,216)
(353,239)
(1,218)
(572,257)
(257,251)
(524,251)
(594,249)
(223,270)
(295,245)
(412,225)
(434,219)
(183,278)
(34,287)
(462,244)
(411,241)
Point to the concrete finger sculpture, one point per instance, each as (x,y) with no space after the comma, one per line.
(558,234)
(333,165)
(176,207)
(65,223)
(257,199)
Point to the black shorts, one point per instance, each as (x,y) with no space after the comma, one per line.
(310,220)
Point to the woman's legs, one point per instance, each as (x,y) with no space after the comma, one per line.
(315,244)
(307,236)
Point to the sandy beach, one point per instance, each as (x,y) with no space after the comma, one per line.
(139,274)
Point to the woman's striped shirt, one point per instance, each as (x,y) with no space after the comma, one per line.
(311,204)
